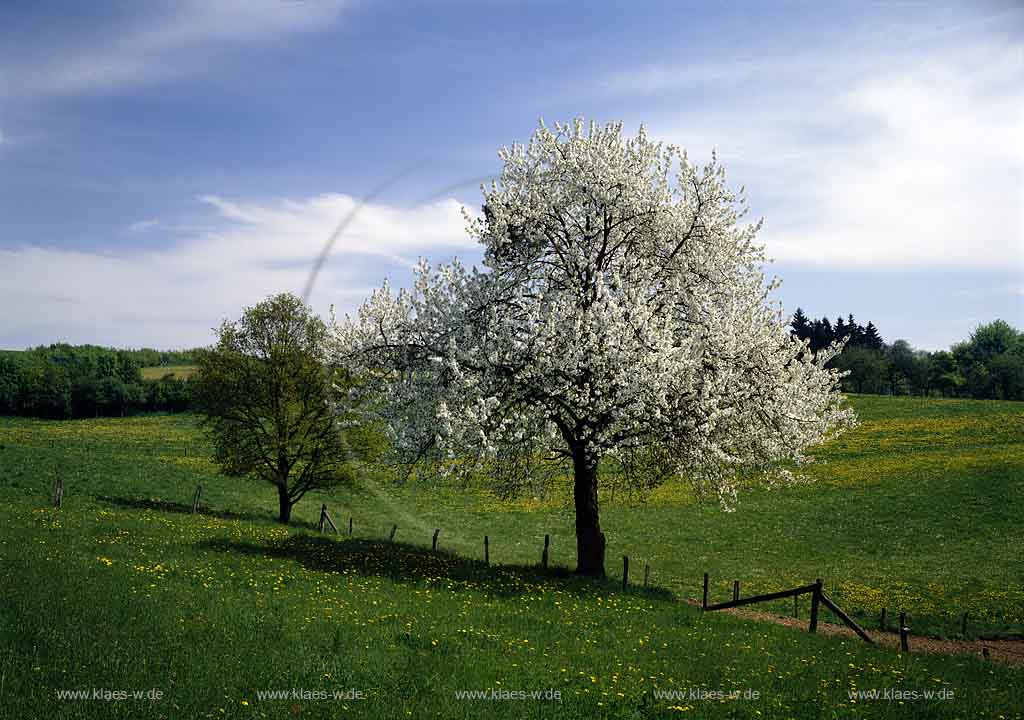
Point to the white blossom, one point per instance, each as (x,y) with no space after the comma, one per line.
(621,314)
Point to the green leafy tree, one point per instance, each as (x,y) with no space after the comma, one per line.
(10,383)
(113,397)
(902,367)
(1007,376)
(85,396)
(986,360)
(45,391)
(106,365)
(272,405)
(988,341)
(134,398)
(942,373)
(978,381)
(128,369)
(868,370)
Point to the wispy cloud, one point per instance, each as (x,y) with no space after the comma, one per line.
(142,226)
(162,41)
(876,161)
(250,249)
(289,229)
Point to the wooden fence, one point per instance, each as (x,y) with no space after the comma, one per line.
(818,598)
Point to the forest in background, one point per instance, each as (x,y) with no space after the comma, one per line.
(62,381)
(988,365)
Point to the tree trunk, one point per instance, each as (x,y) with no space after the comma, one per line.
(284,505)
(589,538)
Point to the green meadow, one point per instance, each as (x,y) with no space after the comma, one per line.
(156,372)
(917,510)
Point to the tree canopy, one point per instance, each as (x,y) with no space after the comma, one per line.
(64,381)
(621,315)
(273,406)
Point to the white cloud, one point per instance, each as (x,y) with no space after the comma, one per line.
(171,296)
(658,77)
(164,41)
(286,230)
(885,161)
(142,226)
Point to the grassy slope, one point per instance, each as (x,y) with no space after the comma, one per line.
(156,372)
(920,506)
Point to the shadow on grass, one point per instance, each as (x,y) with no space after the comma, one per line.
(176,507)
(403,562)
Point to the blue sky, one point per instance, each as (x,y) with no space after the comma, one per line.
(163,165)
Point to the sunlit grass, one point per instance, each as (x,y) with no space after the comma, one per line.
(180,372)
(123,587)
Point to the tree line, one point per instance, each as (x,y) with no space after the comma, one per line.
(72,381)
(988,365)
(63,381)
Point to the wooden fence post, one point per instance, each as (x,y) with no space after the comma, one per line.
(818,598)
(647,573)
(394,529)
(326,518)
(735,590)
(904,634)
(625,571)
(349,524)
(323,512)
(815,601)
(841,614)
(487,550)
(433,542)
(704,602)
(544,555)
(195,499)
(58,493)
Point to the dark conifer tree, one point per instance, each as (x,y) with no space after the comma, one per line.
(828,333)
(801,325)
(855,331)
(822,334)
(871,337)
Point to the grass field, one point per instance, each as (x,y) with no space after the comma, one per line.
(158,371)
(918,509)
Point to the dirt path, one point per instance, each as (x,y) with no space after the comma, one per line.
(1006,651)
